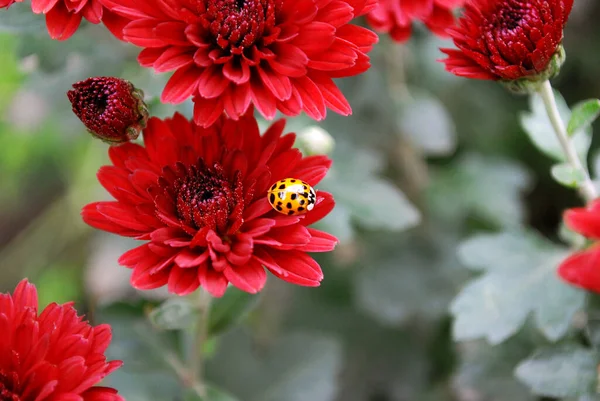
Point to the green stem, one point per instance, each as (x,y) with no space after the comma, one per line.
(200,337)
(587,188)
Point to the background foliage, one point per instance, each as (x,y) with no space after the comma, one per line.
(447,214)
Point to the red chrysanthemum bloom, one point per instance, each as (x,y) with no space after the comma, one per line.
(396,17)
(509,39)
(112,109)
(277,54)
(197,197)
(53,356)
(64,16)
(583,268)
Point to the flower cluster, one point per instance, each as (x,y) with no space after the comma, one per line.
(197,197)
(276,54)
(51,356)
(396,17)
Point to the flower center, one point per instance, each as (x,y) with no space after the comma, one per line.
(513,14)
(204,196)
(238,24)
(8,386)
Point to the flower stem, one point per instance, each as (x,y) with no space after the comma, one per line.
(196,361)
(587,188)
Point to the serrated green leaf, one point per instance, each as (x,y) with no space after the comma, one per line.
(298,367)
(539,129)
(565,371)
(212,394)
(426,123)
(584,114)
(520,278)
(489,188)
(370,200)
(229,309)
(567,175)
(174,314)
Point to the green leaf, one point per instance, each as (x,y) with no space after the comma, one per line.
(520,278)
(539,129)
(174,314)
(404,278)
(488,371)
(489,188)
(567,175)
(298,367)
(584,114)
(229,309)
(426,123)
(565,371)
(370,200)
(212,394)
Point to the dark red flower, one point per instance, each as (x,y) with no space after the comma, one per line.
(396,17)
(277,54)
(197,197)
(64,16)
(509,39)
(111,108)
(583,268)
(53,356)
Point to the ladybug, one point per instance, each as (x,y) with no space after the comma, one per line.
(292,196)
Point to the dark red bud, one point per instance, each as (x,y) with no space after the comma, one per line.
(112,109)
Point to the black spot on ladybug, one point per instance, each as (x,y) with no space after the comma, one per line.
(291,212)
(281,195)
(292,180)
(272,198)
(305,187)
(273,187)
(305,194)
(302,201)
(279,203)
(294,196)
(300,209)
(279,208)
(282,186)
(289,205)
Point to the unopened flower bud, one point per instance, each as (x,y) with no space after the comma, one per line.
(112,109)
(315,140)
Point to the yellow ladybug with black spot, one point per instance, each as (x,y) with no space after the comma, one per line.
(292,196)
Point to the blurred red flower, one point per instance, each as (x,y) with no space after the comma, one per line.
(112,109)
(277,54)
(508,39)
(396,17)
(53,356)
(583,268)
(64,16)
(197,197)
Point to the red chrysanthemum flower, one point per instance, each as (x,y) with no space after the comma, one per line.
(509,39)
(583,268)
(277,54)
(198,198)
(53,356)
(64,16)
(396,17)
(112,109)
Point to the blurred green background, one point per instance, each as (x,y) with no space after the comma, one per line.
(437,158)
